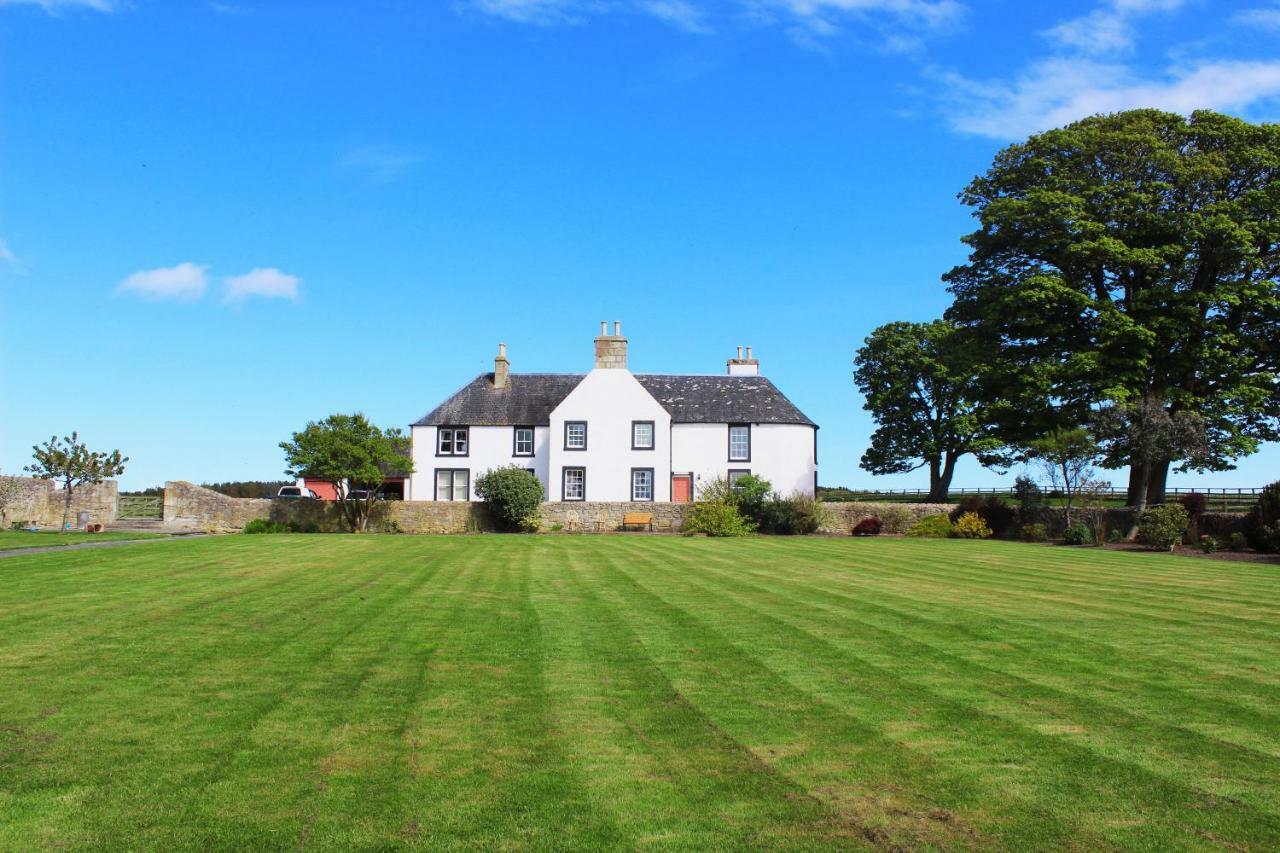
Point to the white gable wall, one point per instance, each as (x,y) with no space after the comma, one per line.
(783,454)
(609,399)
(490,447)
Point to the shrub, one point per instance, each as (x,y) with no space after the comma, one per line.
(264,525)
(1162,527)
(998,515)
(716,518)
(896,519)
(302,527)
(1195,504)
(799,515)
(1237,542)
(512,495)
(971,526)
(869,526)
(530,524)
(932,527)
(1034,532)
(1027,493)
(1077,534)
(1262,526)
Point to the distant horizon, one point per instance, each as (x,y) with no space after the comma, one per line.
(222,220)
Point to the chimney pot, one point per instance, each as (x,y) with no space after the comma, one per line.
(604,328)
(744,366)
(748,353)
(617,328)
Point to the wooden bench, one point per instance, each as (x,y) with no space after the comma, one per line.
(638,519)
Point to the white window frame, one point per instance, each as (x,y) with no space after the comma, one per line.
(745,430)
(453,474)
(568,426)
(653,435)
(455,437)
(564,483)
(652,480)
(516,442)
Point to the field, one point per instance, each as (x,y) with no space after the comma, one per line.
(13,539)
(292,692)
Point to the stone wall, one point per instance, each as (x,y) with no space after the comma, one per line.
(592,515)
(42,504)
(845,514)
(188,507)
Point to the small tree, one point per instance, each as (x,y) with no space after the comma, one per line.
(1066,456)
(919,382)
(513,496)
(11,491)
(352,454)
(69,462)
(1262,526)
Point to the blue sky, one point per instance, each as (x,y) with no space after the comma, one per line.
(220,220)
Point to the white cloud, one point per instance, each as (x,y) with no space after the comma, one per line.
(55,6)
(185,281)
(1109,28)
(1059,91)
(1260,18)
(267,282)
(805,21)
(6,254)
(379,164)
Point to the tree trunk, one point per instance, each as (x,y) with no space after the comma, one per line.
(940,479)
(1156,482)
(1139,475)
(66,509)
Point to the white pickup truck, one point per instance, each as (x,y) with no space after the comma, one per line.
(296,492)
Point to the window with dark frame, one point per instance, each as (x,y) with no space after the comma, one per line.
(522,441)
(641,484)
(452,441)
(736,474)
(575,435)
(453,484)
(642,437)
(574,485)
(739,442)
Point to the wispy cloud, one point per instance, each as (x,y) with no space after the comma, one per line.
(1262,18)
(807,22)
(185,281)
(266,282)
(6,254)
(1110,27)
(55,6)
(1058,91)
(380,164)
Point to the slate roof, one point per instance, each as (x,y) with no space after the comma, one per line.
(530,398)
(722,400)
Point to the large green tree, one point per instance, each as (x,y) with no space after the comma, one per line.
(919,382)
(69,461)
(1130,259)
(355,456)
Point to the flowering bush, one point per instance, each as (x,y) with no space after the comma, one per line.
(971,526)
(869,526)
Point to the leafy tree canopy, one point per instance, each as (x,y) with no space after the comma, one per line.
(1128,257)
(920,383)
(353,454)
(70,462)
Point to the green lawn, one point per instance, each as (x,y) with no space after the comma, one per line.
(545,692)
(11,539)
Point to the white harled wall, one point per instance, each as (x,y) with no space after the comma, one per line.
(783,454)
(609,399)
(490,447)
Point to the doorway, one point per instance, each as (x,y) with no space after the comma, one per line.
(681,488)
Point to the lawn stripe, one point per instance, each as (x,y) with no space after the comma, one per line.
(1090,773)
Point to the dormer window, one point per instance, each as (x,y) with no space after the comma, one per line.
(452,441)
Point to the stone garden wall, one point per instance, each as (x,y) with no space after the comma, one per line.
(41,504)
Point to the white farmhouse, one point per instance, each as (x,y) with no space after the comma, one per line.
(612,435)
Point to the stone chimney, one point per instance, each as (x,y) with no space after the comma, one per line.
(611,350)
(501,368)
(740,366)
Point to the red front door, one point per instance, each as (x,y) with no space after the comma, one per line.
(681,487)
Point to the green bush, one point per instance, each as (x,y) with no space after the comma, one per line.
(932,527)
(1162,527)
(1033,532)
(265,525)
(971,526)
(994,512)
(798,515)
(716,518)
(1237,542)
(512,494)
(895,519)
(1077,534)
(1262,525)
